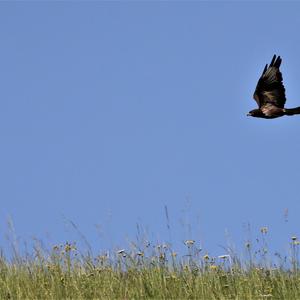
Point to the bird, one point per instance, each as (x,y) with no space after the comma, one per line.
(270,94)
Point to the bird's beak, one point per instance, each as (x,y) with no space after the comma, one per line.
(248,115)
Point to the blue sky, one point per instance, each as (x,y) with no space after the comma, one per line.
(110,111)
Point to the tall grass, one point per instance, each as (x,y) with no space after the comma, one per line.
(146,270)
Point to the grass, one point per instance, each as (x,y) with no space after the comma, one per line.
(150,271)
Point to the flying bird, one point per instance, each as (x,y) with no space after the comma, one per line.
(270,94)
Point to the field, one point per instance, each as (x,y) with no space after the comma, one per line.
(151,271)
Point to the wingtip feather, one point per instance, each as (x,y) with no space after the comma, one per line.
(273,60)
(278,62)
(265,69)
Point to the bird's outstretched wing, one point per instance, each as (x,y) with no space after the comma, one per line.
(270,88)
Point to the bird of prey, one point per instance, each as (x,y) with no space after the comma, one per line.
(270,94)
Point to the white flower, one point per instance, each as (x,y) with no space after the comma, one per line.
(189,242)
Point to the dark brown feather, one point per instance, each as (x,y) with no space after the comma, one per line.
(292,111)
(270,89)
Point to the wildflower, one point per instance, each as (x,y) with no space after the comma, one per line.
(206,257)
(213,267)
(189,242)
(174,254)
(69,247)
(162,257)
(264,230)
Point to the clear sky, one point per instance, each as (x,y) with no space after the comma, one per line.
(110,111)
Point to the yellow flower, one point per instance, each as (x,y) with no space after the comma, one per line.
(213,267)
(69,247)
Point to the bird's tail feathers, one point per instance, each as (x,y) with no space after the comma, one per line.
(292,111)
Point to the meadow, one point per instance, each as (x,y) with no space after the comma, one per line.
(151,271)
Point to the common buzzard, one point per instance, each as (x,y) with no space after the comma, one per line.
(270,94)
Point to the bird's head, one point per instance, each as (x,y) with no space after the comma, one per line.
(255,113)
